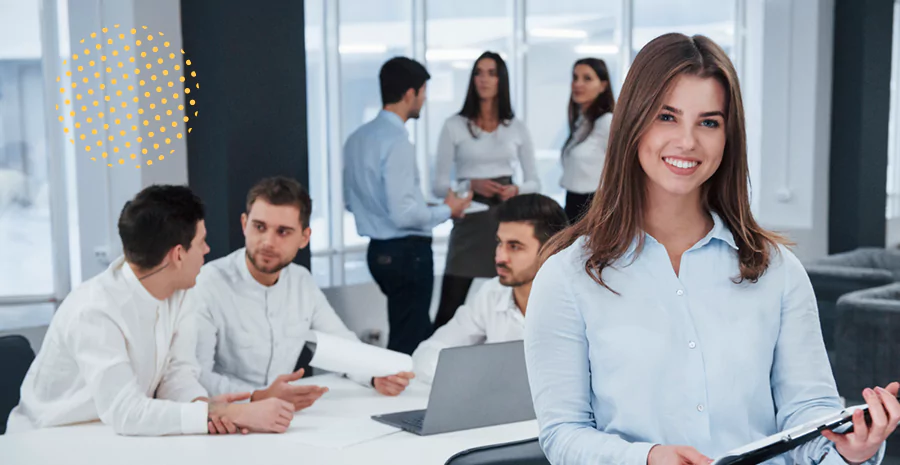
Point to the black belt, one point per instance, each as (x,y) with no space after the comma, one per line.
(416,239)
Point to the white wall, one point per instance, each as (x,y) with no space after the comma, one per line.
(102,191)
(795,74)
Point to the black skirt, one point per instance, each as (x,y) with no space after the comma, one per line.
(473,240)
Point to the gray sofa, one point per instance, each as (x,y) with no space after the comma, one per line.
(867,340)
(867,345)
(846,272)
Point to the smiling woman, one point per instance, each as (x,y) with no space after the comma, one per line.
(669,252)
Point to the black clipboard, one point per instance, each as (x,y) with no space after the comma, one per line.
(777,444)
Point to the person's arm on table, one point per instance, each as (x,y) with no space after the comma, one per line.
(103,359)
(464,329)
(326,320)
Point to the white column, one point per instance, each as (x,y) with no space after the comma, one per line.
(102,191)
(796,72)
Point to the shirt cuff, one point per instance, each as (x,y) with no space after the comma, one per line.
(833,457)
(192,393)
(194,417)
(362,380)
(638,452)
(442,212)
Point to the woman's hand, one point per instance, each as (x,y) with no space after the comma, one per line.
(676,455)
(486,187)
(508,192)
(865,440)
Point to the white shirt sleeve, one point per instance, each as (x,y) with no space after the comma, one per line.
(98,345)
(446,154)
(600,132)
(207,340)
(467,327)
(531,182)
(181,380)
(324,319)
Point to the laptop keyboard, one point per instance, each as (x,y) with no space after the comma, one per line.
(415,422)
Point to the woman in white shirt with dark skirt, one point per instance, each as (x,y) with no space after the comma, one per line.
(590,115)
(667,326)
(482,144)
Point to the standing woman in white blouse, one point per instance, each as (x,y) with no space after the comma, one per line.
(482,144)
(590,115)
(668,326)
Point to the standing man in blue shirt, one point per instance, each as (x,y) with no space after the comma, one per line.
(382,190)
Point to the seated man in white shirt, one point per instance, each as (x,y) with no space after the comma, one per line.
(497,311)
(256,306)
(121,349)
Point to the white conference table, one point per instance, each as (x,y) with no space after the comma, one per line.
(318,435)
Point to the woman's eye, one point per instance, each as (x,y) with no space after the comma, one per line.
(710,123)
(666,117)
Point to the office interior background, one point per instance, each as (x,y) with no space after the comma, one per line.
(818,79)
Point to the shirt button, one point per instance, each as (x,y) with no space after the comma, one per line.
(700,408)
(679,292)
(692,344)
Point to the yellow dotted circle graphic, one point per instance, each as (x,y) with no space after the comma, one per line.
(97,69)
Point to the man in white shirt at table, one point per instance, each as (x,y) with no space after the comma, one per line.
(497,311)
(121,349)
(255,306)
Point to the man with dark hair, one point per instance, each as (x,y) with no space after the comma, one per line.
(121,346)
(497,311)
(256,306)
(382,190)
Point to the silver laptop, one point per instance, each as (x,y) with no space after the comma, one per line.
(474,386)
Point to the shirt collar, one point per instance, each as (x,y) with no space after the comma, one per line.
(134,284)
(392,118)
(507,302)
(719,231)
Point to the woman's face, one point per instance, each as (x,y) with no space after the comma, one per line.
(586,85)
(683,146)
(486,79)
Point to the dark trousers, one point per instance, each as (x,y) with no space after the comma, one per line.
(404,271)
(454,290)
(577,205)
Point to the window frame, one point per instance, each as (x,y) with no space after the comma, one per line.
(338,251)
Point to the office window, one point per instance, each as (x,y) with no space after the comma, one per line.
(558,33)
(26,262)
(712,18)
(370,32)
(316,117)
(457,33)
(539,50)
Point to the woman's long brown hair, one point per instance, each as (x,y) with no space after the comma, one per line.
(616,215)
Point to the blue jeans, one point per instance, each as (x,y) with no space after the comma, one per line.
(404,271)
